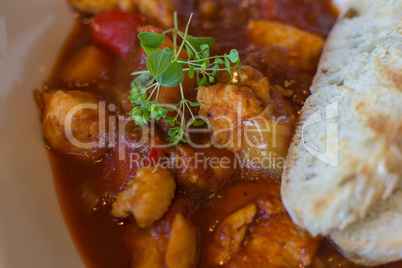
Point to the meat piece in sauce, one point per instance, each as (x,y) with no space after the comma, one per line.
(170,242)
(182,247)
(226,107)
(316,16)
(203,169)
(272,240)
(248,77)
(71,124)
(230,234)
(275,240)
(148,251)
(147,196)
(93,6)
(304,48)
(158,12)
(96,6)
(246,119)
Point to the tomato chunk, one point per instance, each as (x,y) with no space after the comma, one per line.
(116,30)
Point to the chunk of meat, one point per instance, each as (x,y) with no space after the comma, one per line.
(202,168)
(170,241)
(249,77)
(306,47)
(226,107)
(147,196)
(269,205)
(208,8)
(276,242)
(126,5)
(273,240)
(89,64)
(315,16)
(96,6)
(158,12)
(230,234)
(234,99)
(182,247)
(241,123)
(72,124)
(148,251)
(93,6)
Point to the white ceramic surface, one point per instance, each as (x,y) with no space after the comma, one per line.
(32,230)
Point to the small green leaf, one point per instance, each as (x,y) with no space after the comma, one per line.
(148,50)
(191,71)
(172,76)
(157,111)
(198,56)
(168,50)
(158,62)
(173,131)
(151,40)
(211,79)
(171,108)
(176,135)
(234,56)
(143,80)
(238,64)
(203,81)
(205,50)
(204,47)
(194,104)
(172,121)
(189,52)
(227,64)
(140,115)
(204,66)
(196,42)
(219,61)
(198,123)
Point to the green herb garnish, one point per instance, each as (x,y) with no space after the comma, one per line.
(165,68)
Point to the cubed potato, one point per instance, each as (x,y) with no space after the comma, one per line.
(305,47)
(87,65)
(230,234)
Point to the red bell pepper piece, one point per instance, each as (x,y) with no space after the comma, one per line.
(116,30)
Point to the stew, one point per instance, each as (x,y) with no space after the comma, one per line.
(129,201)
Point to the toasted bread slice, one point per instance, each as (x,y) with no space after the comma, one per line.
(375,239)
(347,152)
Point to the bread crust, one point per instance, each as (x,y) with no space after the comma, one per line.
(375,239)
(360,73)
